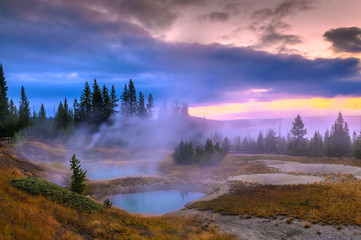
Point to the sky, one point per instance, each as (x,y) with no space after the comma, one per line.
(228,59)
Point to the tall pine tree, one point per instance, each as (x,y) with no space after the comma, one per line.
(260,142)
(107,105)
(339,139)
(125,101)
(24,110)
(150,105)
(132,99)
(42,114)
(96,103)
(114,100)
(78,177)
(85,103)
(299,142)
(4,104)
(142,111)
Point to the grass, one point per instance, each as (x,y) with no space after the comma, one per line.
(56,193)
(27,216)
(333,202)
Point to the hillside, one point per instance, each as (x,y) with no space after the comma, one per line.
(26,216)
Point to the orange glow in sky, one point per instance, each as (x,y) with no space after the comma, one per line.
(287,107)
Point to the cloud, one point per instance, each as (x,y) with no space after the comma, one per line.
(41,47)
(215,17)
(345,39)
(270,25)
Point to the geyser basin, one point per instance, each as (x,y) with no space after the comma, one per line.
(154,203)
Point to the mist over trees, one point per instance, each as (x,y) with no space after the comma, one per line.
(335,142)
(208,153)
(97,104)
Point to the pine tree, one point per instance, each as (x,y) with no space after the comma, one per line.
(132,99)
(68,113)
(107,105)
(85,103)
(357,146)
(316,146)
(114,100)
(24,110)
(78,177)
(124,108)
(4,104)
(226,145)
(12,121)
(150,105)
(96,103)
(42,114)
(260,142)
(77,111)
(142,111)
(60,120)
(209,148)
(340,141)
(299,142)
(270,141)
(34,118)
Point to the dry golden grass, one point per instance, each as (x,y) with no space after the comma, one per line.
(24,216)
(337,201)
(229,166)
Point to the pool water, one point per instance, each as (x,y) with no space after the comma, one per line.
(154,203)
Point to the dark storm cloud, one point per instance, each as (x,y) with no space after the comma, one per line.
(43,44)
(270,23)
(345,39)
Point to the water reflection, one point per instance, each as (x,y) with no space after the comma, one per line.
(159,202)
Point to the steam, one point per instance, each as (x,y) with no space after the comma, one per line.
(125,146)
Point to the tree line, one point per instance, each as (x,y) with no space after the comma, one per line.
(185,153)
(335,142)
(95,106)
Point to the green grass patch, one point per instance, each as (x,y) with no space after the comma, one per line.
(56,193)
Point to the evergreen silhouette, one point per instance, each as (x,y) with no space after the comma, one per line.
(85,103)
(150,105)
(142,111)
(132,98)
(113,100)
(124,108)
(298,132)
(24,110)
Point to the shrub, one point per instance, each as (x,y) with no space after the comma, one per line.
(56,193)
(107,203)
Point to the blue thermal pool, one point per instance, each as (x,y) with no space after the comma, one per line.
(154,203)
